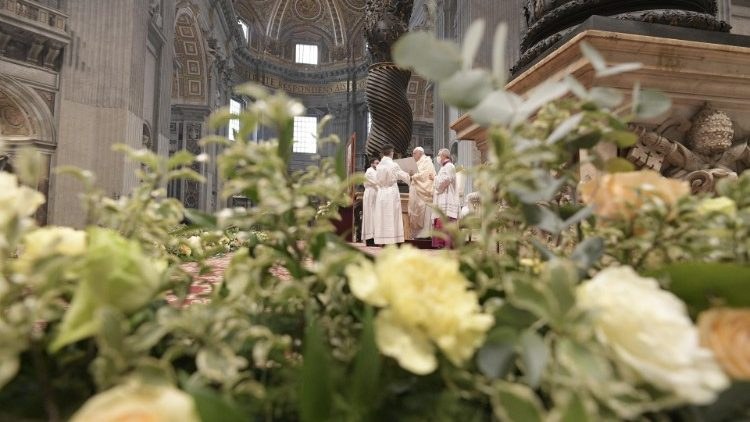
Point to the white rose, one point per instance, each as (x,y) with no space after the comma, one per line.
(136,402)
(15,200)
(649,330)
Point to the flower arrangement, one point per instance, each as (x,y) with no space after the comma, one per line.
(573,302)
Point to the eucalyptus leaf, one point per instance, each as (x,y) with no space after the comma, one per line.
(497,108)
(472,41)
(516,403)
(593,56)
(499,71)
(619,69)
(564,128)
(430,57)
(652,104)
(543,217)
(545,93)
(586,140)
(607,98)
(535,355)
(466,89)
(495,357)
(588,252)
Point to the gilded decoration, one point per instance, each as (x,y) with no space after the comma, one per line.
(701,151)
(190,83)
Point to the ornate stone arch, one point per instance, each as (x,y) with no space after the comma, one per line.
(190,85)
(25,118)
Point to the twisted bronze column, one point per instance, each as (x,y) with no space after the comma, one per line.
(548,21)
(385,22)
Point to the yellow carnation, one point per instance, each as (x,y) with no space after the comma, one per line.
(620,195)
(139,403)
(427,304)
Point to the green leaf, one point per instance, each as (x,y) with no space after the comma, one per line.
(608,98)
(546,187)
(652,104)
(593,56)
(466,89)
(495,357)
(430,57)
(286,140)
(699,284)
(516,403)
(574,410)
(471,43)
(213,407)
(618,69)
(534,355)
(316,394)
(586,140)
(499,71)
(582,362)
(623,138)
(180,158)
(220,118)
(510,316)
(497,108)
(588,252)
(731,405)
(201,219)
(618,165)
(542,217)
(562,130)
(365,385)
(252,90)
(115,273)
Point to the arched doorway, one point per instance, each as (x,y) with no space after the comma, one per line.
(26,121)
(189,101)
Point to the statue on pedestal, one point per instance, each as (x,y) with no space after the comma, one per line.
(706,153)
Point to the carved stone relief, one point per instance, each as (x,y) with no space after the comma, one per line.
(701,151)
(13,120)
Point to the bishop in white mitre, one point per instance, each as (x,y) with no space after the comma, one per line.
(389,225)
(420,195)
(368,204)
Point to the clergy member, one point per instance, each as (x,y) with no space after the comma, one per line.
(389,226)
(420,195)
(368,204)
(445,198)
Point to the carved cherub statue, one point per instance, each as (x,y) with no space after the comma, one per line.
(706,154)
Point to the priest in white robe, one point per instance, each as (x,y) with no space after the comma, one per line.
(421,195)
(368,204)
(389,225)
(445,198)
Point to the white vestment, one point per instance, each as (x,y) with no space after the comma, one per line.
(420,198)
(446,196)
(389,226)
(368,205)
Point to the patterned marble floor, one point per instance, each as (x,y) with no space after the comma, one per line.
(202,286)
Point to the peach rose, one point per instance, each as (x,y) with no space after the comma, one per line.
(618,196)
(727,333)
